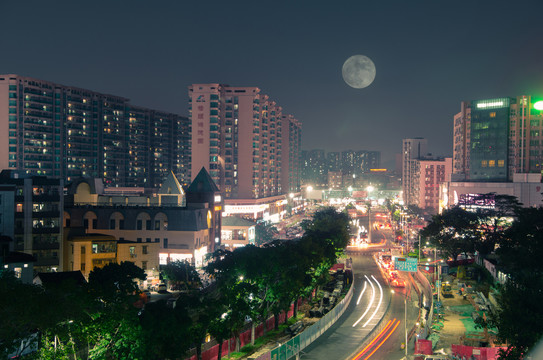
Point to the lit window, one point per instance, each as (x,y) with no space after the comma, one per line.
(501,163)
(491,163)
(484,163)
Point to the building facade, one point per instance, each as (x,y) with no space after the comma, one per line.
(412,149)
(180,228)
(87,251)
(33,216)
(461,140)
(68,132)
(291,170)
(428,175)
(471,195)
(315,169)
(240,136)
(494,139)
(237,232)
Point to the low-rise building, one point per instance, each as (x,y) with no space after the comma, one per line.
(180,228)
(237,231)
(85,252)
(527,188)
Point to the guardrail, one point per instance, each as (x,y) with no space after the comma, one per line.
(421,278)
(295,345)
(292,348)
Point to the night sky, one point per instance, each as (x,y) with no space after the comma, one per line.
(429,55)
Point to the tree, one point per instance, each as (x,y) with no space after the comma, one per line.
(265,232)
(21,317)
(182,272)
(239,283)
(519,318)
(220,325)
(54,312)
(494,221)
(330,225)
(115,331)
(453,232)
(165,331)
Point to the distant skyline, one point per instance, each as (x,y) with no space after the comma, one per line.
(429,56)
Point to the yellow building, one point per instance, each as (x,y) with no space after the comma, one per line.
(180,229)
(85,252)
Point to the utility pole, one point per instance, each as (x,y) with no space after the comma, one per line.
(369,223)
(419,249)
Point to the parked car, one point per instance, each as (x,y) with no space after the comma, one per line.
(161,287)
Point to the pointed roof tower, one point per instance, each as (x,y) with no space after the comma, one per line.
(171,192)
(203,183)
(171,186)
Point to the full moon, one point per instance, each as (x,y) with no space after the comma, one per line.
(358,71)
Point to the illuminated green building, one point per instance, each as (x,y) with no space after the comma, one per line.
(489,139)
(497,138)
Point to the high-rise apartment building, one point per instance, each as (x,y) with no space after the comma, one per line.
(244,140)
(366,160)
(348,162)
(316,173)
(497,138)
(33,216)
(427,175)
(461,139)
(412,149)
(291,170)
(333,161)
(68,132)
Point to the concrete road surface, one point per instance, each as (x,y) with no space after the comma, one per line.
(343,339)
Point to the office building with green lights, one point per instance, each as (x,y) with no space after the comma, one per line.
(497,138)
(489,139)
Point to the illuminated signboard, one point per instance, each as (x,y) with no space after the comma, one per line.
(405,264)
(538,105)
(490,104)
(476,201)
(244,209)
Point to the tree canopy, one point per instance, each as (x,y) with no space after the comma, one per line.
(453,232)
(265,232)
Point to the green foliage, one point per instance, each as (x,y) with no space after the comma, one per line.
(52,349)
(115,282)
(182,272)
(265,232)
(114,330)
(21,316)
(331,226)
(453,232)
(165,331)
(494,221)
(519,319)
(101,316)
